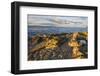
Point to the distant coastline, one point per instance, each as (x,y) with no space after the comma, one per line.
(32,30)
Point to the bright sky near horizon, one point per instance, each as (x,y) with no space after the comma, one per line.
(58,21)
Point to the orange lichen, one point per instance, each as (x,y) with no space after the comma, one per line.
(51,43)
(75,45)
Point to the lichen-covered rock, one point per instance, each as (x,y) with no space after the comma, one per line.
(58,46)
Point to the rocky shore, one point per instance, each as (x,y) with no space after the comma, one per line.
(58,46)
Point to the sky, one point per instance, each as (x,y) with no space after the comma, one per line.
(57,21)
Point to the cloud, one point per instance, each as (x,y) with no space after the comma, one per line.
(57,21)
